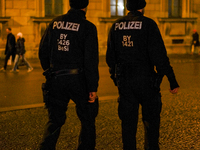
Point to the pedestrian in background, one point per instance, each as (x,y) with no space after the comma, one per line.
(135,47)
(20,52)
(69,53)
(10,48)
(195,41)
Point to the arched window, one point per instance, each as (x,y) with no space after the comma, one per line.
(117,7)
(175,8)
(53,7)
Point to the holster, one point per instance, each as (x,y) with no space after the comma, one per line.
(118,73)
(48,73)
(45,91)
(156,81)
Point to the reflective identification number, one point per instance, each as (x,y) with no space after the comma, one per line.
(127,41)
(63,43)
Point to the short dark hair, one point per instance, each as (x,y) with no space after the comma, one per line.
(9,29)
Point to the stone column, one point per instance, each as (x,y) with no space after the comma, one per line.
(66,6)
(40,8)
(106,8)
(2,8)
(186,8)
(2,14)
(163,8)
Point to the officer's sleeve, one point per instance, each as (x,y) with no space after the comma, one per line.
(158,55)
(91,59)
(44,50)
(110,55)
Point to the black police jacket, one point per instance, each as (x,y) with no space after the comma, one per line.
(135,43)
(71,42)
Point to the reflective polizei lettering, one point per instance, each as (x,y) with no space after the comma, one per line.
(137,25)
(66,25)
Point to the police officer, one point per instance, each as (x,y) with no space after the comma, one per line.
(68,53)
(135,48)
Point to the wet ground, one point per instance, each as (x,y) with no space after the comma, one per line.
(24,89)
(22,129)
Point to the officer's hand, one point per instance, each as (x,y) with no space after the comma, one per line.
(92,97)
(174,91)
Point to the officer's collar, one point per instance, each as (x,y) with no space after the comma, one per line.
(135,13)
(79,12)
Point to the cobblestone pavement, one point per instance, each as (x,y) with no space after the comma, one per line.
(22,129)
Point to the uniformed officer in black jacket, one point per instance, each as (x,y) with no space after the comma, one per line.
(68,53)
(135,47)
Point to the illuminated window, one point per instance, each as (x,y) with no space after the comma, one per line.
(53,7)
(175,8)
(117,7)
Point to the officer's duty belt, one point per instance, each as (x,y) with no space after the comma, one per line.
(68,71)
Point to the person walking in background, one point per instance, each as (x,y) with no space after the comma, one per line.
(195,41)
(68,54)
(135,47)
(20,51)
(10,48)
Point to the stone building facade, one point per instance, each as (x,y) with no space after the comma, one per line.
(175,18)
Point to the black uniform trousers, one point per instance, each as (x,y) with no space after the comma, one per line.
(135,90)
(64,88)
